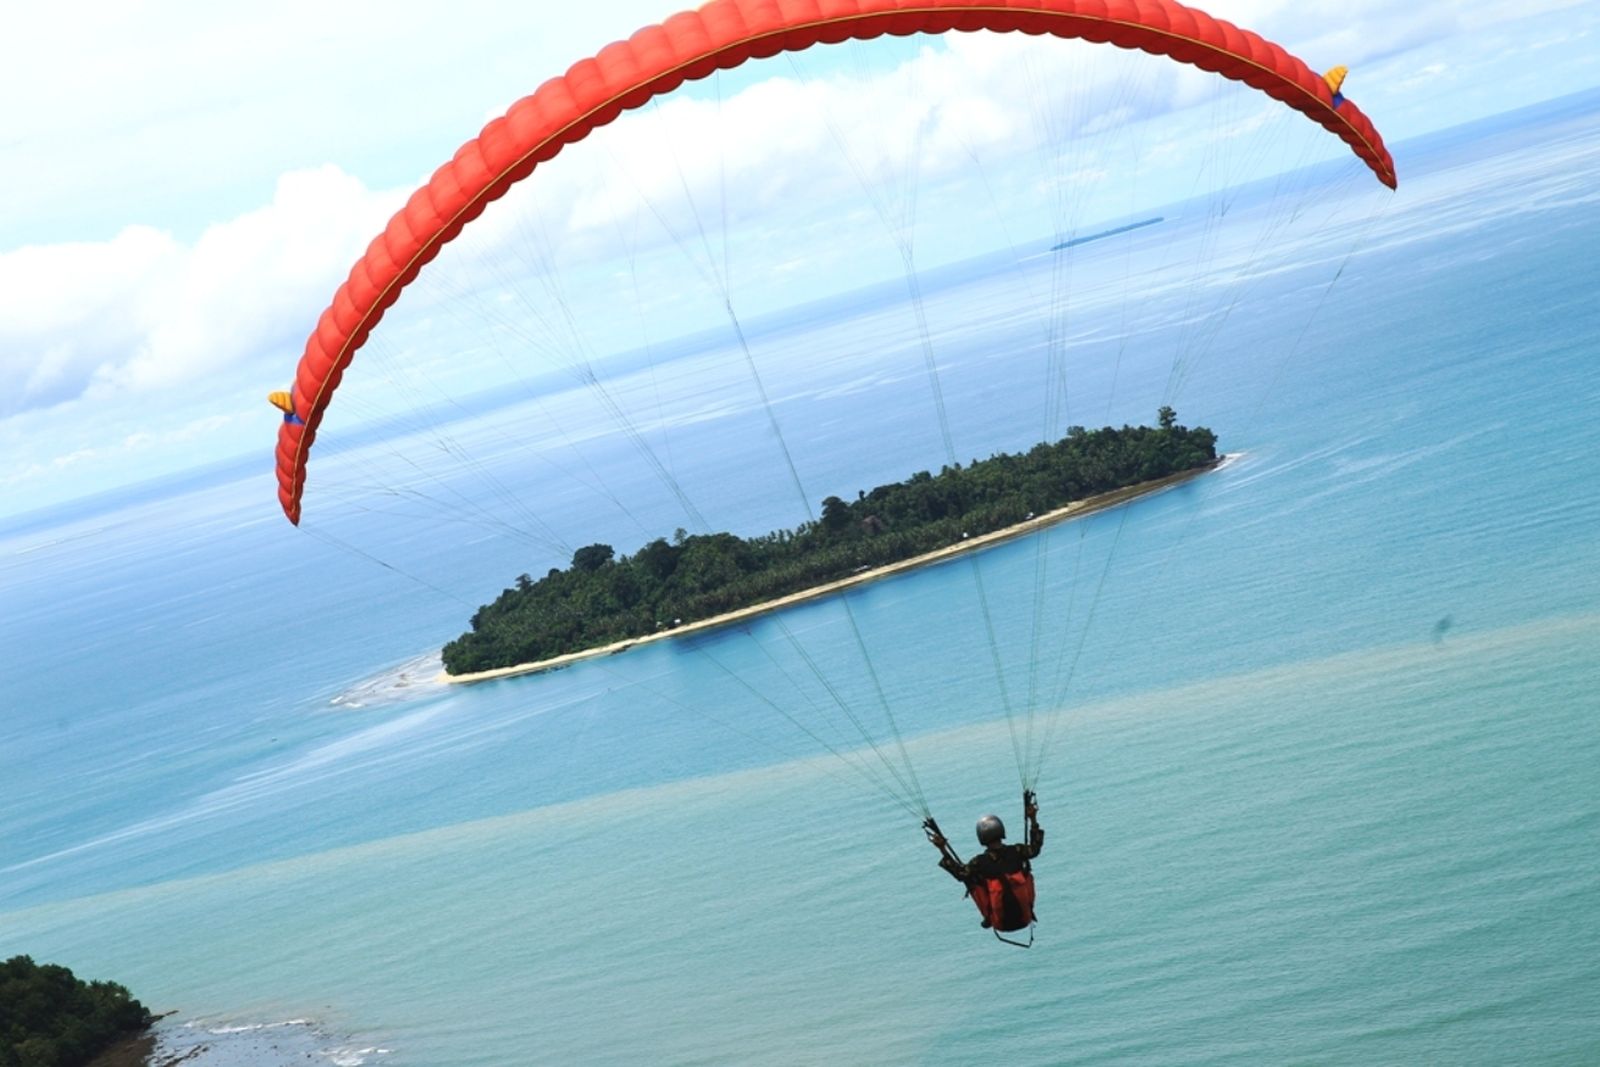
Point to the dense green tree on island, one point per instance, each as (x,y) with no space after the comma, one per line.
(602,598)
(49,1018)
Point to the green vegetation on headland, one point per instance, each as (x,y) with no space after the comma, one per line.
(601,599)
(48,1018)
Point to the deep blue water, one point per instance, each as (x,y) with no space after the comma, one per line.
(1323,783)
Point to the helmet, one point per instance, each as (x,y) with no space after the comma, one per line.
(991,831)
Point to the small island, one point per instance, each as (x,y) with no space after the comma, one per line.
(1116,231)
(602,603)
(50,1018)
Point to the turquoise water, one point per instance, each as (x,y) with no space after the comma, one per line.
(1324,789)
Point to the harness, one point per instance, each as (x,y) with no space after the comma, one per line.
(1004,900)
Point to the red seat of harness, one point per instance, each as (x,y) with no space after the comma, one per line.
(1005,901)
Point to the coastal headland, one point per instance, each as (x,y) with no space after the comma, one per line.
(1076,509)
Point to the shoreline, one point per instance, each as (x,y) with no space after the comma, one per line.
(215,1043)
(1076,509)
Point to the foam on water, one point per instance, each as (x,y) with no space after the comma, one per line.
(201,1043)
(415,679)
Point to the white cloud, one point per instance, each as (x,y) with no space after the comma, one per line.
(127,451)
(251,287)
(188,113)
(1423,75)
(141,112)
(143,312)
(66,310)
(693,162)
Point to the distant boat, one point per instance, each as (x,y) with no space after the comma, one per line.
(1074,242)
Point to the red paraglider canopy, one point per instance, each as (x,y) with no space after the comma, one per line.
(723,34)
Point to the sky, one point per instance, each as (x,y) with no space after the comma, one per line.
(188,182)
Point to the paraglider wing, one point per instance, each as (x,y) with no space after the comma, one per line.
(723,34)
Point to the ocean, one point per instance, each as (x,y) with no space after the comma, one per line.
(1322,781)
